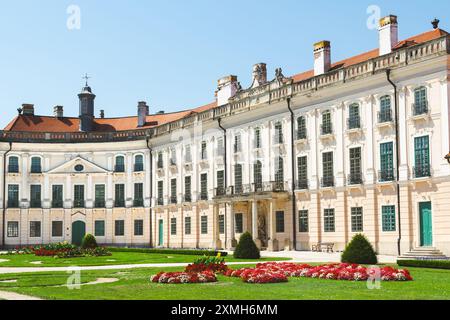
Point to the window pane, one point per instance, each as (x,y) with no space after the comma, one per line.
(35,229)
(303,221)
(388,218)
(13,229)
(279,216)
(57,229)
(100,196)
(239,219)
(120,196)
(119,227)
(357,219)
(138,195)
(13,196)
(221,224)
(99,228)
(329,224)
(35,196)
(173,226)
(57,196)
(187,225)
(138,227)
(204,225)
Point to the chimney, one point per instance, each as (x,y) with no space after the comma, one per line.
(259,75)
(28,109)
(322,57)
(226,89)
(388,33)
(102,114)
(143,112)
(58,111)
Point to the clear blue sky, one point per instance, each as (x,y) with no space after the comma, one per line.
(171,53)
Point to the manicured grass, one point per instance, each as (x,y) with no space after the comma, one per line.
(119,258)
(135,285)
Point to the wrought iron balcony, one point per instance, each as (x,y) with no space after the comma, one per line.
(419,109)
(219,192)
(138,167)
(354,178)
(138,202)
(78,204)
(302,184)
(204,196)
(422,171)
(13,203)
(386,175)
(173,199)
(354,123)
(385,116)
(13,168)
(119,168)
(36,203)
(326,129)
(160,201)
(187,198)
(327,182)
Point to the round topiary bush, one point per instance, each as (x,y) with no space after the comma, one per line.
(89,242)
(246,248)
(359,251)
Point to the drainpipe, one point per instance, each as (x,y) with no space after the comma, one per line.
(397,151)
(151,191)
(225,175)
(294,198)
(4,194)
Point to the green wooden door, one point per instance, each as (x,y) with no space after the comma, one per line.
(78,232)
(426,229)
(161,233)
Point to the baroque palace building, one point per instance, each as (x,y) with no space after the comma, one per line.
(356,146)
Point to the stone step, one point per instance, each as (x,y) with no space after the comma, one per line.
(429,253)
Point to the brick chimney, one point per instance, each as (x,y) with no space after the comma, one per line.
(226,89)
(388,34)
(28,109)
(143,112)
(322,57)
(58,111)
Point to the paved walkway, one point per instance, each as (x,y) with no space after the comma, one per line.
(5,295)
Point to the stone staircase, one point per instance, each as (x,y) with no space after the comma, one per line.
(424,253)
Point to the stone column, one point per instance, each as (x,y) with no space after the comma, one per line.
(255,224)
(273,242)
(216,243)
(231,240)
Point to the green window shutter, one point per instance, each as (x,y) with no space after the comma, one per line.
(303,221)
(388,218)
(239,223)
(99,228)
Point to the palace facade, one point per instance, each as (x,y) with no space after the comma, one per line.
(356,146)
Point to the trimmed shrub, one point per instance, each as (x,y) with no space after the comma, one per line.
(187,252)
(89,242)
(359,251)
(432,264)
(246,248)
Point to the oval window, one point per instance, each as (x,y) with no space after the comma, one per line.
(79,168)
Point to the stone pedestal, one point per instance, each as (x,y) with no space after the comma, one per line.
(231,243)
(273,245)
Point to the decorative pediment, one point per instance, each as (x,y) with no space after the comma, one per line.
(78,165)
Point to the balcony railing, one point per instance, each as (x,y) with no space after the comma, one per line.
(354,123)
(386,175)
(160,201)
(204,196)
(326,129)
(119,203)
(36,169)
(57,204)
(302,184)
(138,167)
(187,198)
(219,192)
(354,178)
(99,204)
(422,171)
(138,202)
(173,199)
(119,168)
(78,204)
(13,168)
(13,203)
(385,116)
(327,182)
(420,109)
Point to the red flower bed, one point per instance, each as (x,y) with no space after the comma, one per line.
(184,277)
(201,267)
(342,271)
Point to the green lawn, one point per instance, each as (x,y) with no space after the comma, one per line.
(117,258)
(134,284)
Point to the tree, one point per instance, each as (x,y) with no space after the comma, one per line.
(359,251)
(246,248)
(89,242)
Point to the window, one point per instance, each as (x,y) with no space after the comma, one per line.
(279,221)
(388,218)
(221,224)
(257,175)
(386,162)
(302,173)
(239,220)
(57,196)
(139,163)
(173,157)
(204,225)
(279,133)
(160,193)
(258,144)
(187,189)
(35,229)
(99,228)
(36,165)
(329,220)
(303,221)
(79,168)
(422,157)
(173,191)
(13,196)
(385,114)
(13,229)
(301,128)
(138,227)
(279,174)
(220,147)
(173,226)
(204,153)
(13,164)
(327,127)
(99,196)
(187,225)
(57,229)
(355,166)
(138,195)
(237,143)
(220,183)
(357,219)
(204,186)
(354,121)
(35,196)
(120,164)
(238,179)
(187,154)
(78,196)
(119,196)
(160,161)
(420,101)
(119,228)
(327,170)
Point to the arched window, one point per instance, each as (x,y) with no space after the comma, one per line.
(257,175)
(139,163)
(354,121)
(279,173)
(385,114)
(120,164)
(420,101)
(301,128)
(36,165)
(13,164)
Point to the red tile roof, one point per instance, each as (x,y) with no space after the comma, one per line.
(68,124)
